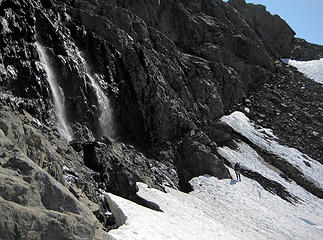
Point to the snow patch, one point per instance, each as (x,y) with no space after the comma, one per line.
(257,214)
(265,139)
(251,160)
(184,217)
(312,69)
(115,208)
(216,209)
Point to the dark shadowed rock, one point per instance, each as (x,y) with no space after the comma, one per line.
(274,32)
(194,158)
(304,51)
(120,167)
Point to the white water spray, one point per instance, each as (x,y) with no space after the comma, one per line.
(62,126)
(105,119)
(106,115)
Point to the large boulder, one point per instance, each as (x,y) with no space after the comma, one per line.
(34,205)
(120,166)
(195,157)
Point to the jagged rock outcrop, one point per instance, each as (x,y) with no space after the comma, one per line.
(195,157)
(194,88)
(164,77)
(274,32)
(30,201)
(291,105)
(304,51)
(33,204)
(120,166)
(113,167)
(160,75)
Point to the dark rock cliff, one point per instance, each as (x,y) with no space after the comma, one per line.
(305,51)
(274,32)
(170,68)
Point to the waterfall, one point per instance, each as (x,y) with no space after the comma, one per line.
(58,97)
(106,116)
(105,119)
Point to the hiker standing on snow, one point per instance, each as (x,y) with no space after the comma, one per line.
(237,171)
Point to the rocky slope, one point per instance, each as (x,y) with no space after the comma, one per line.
(170,69)
(304,51)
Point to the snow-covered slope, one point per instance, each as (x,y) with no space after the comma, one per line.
(184,217)
(228,209)
(312,69)
(251,160)
(218,209)
(257,214)
(265,139)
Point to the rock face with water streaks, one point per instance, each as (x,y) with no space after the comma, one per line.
(143,85)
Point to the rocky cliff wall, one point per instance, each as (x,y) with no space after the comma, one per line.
(304,51)
(171,69)
(274,32)
(140,52)
(166,65)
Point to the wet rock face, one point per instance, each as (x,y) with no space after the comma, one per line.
(20,74)
(167,66)
(161,44)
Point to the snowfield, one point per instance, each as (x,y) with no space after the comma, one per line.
(184,217)
(251,160)
(217,209)
(228,209)
(265,139)
(312,69)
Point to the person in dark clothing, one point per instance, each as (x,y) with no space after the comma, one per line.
(237,171)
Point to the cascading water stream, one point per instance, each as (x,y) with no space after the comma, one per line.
(106,114)
(105,119)
(62,125)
